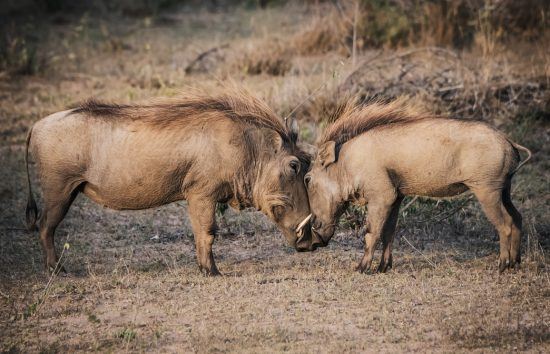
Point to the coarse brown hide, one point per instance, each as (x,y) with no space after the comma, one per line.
(379,153)
(230,148)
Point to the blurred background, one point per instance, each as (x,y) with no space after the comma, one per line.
(477,59)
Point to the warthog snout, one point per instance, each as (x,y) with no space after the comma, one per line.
(304,243)
(320,233)
(317,240)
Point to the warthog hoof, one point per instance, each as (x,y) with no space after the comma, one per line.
(364,269)
(503,265)
(210,272)
(384,267)
(509,264)
(56,269)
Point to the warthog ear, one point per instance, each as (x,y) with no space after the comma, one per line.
(327,153)
(277,141)
(292,128)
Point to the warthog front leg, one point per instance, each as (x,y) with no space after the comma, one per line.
(379,212)
(202,213)
(388,233)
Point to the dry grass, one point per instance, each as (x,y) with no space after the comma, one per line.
(329,32)
(134,285)
(348,25)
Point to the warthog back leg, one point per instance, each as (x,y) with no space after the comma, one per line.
(379,212)
(515,244)
(202,213)
(57,202)
(388,233)
(493,206)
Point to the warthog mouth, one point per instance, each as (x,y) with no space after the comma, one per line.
(300,228)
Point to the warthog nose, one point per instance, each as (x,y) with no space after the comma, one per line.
(317,240)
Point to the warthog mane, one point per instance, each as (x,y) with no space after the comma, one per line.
(352,118)
(193,108)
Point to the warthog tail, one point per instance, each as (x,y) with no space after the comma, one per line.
(31,211)
(523,148)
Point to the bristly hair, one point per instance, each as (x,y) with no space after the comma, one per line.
(235,104)
(351,119)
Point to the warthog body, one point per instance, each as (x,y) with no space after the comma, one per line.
(203,149)
(380,153)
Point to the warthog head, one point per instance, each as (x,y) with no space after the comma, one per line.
(280,192)
(326,199)
(286,201)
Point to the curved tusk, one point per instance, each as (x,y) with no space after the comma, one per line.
(303,223)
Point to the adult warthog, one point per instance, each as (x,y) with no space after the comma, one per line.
(379,153)
(205,149)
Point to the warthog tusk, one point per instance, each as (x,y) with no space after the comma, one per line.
(303,223)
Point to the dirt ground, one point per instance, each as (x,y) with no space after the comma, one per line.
(133,283)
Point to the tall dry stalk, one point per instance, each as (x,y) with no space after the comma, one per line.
(354,43)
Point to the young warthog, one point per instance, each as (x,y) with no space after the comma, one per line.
(200,148)
(379,153)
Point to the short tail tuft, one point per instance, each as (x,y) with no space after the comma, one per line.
(31,211)
(523,148)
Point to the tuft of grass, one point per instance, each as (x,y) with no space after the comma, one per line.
(93,318)
(330,33)
(30,310)
(126,334)
(272,58)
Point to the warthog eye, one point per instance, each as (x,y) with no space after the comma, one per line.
(307,179)
(278,212)
(295,166)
